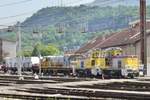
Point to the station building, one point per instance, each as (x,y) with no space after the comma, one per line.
(128,39)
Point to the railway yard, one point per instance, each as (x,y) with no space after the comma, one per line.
(70,88)
(50,60)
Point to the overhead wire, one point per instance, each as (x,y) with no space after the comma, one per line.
(74,2)
(14,16)
(22,14)
(43,25)
(103,3)
(15,3)
(108,2)
(7,17)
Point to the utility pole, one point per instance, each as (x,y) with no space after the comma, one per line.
(18,40)
(39,55)
(143,34)
(19,49)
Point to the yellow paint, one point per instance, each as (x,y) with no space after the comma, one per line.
(132,62)
(98,59)
(113,52)
(45,64)
(117,52)
(88,63)
(95,62)
(101,63)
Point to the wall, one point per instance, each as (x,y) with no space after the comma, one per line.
(138,52)
(138,49)
(129,49)
(8,49)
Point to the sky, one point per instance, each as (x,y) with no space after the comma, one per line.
(25,8)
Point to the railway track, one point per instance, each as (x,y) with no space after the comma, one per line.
(12,81)
(128,86)
(89,93)
(44,97)
(54,78)
(57,89)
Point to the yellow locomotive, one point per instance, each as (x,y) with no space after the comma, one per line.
(110,62)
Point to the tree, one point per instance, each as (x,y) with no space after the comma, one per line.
(45,50)
(36,50)
(27,53)
(50,50)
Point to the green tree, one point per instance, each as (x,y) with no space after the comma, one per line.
(50,50)
(45,50)
(27,53)
(36,50)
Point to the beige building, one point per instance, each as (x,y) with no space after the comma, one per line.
(128,39)
(7,49)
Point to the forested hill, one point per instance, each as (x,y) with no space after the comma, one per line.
(97,18)
(73,21)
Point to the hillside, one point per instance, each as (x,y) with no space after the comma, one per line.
(74,17)
(73,20)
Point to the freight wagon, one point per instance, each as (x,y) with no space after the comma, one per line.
(55,65)
(12,64)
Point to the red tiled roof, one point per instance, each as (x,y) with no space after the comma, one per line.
(120,38)
(126,36)
(90,44)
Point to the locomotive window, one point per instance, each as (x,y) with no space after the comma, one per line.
(107,62)
(119,64)
(93,63)
(93,55)
(82,64)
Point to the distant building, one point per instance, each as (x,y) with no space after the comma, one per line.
(7,48)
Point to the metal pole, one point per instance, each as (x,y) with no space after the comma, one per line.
(143,34)
(19,49)
(39,56)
